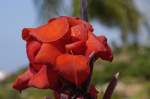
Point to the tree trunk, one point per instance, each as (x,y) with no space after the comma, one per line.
(124,37)
(135,40)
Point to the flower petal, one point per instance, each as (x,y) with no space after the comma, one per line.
(22,81)
(76,47)
(47,54)
(80,32)
(36,67)
(107,55)
(49,32)
(93,44)
(45,78)
(100,46)
(76,21)
(32,48)
(73,68)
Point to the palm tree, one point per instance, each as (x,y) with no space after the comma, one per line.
(47,9)
(120,13)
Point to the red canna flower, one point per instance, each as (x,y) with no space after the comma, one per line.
(60,50)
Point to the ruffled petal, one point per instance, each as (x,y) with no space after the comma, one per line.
(73,68)
(72,20)
(49,32)
(107,55)
(32,48)
(22,81)
(76,48)
(47,54)
(93,44)
(76,21)
(79,32)
(99,46)
(45,78)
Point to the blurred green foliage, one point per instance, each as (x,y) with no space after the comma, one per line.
(119,13)
(122,13)
(132,65)
(7,92)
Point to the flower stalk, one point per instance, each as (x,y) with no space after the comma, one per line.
(84,9)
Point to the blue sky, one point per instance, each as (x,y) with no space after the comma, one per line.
(14,15)
(17,14)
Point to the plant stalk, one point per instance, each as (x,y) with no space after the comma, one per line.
(109,91)
(84,9)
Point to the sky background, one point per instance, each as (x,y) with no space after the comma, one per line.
(14,15)
(17,14)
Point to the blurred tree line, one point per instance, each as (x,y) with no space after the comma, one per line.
(120,13)
(134,73)
(112,13)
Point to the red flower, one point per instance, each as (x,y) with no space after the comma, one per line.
(60,50)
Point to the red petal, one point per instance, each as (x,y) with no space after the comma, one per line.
(107,55)
(72,20)
(76,21)
(47,54)
(36,67)
(32,48)
(45,78)
(26,33)
(100,46)
(93,92)
(76,47)
(93,44)
(80,32)
(73,68)
(22,81)
(49,32)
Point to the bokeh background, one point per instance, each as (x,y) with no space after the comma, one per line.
(126,24)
